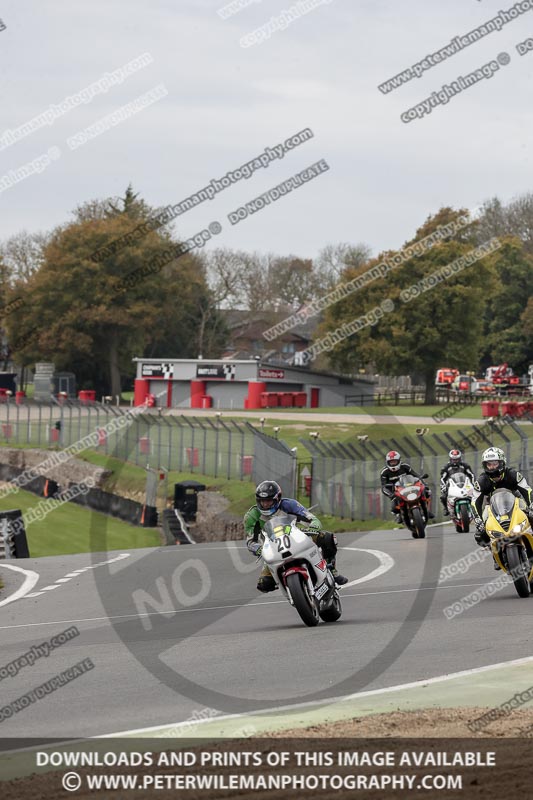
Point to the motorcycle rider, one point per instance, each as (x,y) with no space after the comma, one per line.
(496,475)
(455,464)
(269,501)
(390,474)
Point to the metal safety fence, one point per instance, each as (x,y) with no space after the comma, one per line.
(209,446)
(273,460)
(346,478)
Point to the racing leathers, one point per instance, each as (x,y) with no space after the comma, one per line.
(389,477)
(450,469)
(485,486)
(254,523)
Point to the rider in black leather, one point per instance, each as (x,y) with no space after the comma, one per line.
(455,464)
(390,474)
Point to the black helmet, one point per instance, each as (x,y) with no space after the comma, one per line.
(268,497)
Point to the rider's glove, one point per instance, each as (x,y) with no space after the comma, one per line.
(480,535)
(255,548)
(530,509)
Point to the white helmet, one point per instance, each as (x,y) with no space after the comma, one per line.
(493,462)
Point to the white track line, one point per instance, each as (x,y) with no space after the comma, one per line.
(386,563)
(329,701)
(75,574)
(30,580)
(240,605)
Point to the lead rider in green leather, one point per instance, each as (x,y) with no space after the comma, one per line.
(269,501)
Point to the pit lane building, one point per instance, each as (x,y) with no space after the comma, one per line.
(240,384)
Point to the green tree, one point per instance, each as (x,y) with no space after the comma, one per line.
(77,312)
(506,337)
(443,325)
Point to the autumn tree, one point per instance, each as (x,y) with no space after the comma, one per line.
(443,325)
(506,337)
(78,313)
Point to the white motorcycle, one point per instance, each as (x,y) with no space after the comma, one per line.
(300,570)
(459,501)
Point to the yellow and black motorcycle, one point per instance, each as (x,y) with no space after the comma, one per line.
(511,539)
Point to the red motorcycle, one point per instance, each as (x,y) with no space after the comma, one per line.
(410,493)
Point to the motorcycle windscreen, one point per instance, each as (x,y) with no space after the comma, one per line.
(278,525)
(406,480)
(459,478)
(502,503)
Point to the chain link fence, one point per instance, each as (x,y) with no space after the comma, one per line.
(346,477)
(214,447)
(273,460)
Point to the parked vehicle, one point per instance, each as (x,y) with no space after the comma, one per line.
(465,383)
(485,387)
(445,377)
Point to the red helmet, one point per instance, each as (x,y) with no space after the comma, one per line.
(455,456)
(393,460)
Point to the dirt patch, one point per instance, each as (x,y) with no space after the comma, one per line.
(430,723)
(214,523)
(510,777)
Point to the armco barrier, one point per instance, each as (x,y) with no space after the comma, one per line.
(107,503)
(174,528)
(13,541)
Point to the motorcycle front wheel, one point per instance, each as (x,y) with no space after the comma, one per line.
(419,529)
(517,570)
(304,604)
(465,518)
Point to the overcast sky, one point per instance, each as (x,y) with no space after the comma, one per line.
(226,103)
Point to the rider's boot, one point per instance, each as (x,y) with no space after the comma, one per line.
(340,580)
(266,582)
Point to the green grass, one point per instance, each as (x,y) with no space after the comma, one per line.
(127,477)
(291,432)
(239,493)
(69,528)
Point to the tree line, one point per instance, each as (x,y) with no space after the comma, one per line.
(60,304)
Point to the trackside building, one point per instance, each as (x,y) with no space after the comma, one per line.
(246,384)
